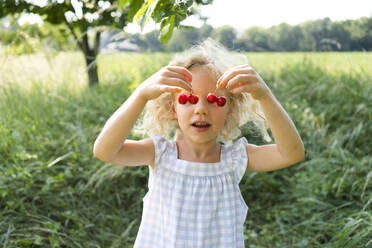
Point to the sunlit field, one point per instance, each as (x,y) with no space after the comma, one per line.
(69,68)
(54,193)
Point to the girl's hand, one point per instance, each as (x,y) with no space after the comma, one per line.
(244,78)
(168,79)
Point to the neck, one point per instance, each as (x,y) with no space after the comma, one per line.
(205,151)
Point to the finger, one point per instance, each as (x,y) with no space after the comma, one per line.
(171,89)
(245,88)
(181,70)
(235,71)
(241,66)
(240,80)
(172,74)
(177,82)
(230,74)
(232,69)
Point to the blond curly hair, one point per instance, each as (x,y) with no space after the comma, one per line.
(158,118)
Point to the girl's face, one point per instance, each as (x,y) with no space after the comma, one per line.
(208,116)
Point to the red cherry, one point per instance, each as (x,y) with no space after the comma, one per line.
(193,99)
(211,98)
(221,100)
(182,99)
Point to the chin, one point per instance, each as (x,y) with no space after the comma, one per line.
(203,138)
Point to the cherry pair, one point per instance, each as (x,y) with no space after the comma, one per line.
(221,100)
(211,98)
(183,98)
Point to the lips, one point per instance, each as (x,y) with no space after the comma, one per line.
(201,124)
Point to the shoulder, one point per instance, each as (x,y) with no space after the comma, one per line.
(238,147)
(161,145)
(238,156)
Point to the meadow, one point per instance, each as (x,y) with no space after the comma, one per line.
(54,193)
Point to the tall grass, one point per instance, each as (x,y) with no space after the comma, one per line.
(54,193)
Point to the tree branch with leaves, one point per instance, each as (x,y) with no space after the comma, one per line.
(94,16)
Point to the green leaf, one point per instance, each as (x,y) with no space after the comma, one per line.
(148,9)
(189,3)
(166,29)
(133,9)
(162,10)
(142,11)
(123,3)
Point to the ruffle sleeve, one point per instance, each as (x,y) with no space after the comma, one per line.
(160,144)
(239,158)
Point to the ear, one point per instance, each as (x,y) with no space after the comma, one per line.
(174,111)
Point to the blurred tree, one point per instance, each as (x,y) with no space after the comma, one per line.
(86,19)
(308,42)
(205,31)
(18,39)
(152,42)
(28,38)
(319,30)
(183,39)
(256,39)
(187,36)
(357,34)
(138,39)
(287,37)
(341,35)
(226,35)
(365,39)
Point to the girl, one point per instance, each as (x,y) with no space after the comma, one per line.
(194,107)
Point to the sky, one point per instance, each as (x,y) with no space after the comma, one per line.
(242,14)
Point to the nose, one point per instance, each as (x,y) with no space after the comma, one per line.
(201,108)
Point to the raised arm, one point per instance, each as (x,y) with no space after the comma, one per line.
(118,126)
(111,144)
(289,148)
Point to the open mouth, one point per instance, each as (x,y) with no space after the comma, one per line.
(201,126)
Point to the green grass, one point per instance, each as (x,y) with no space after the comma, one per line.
(54,193)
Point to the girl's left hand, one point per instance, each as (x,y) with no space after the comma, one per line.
(243,78)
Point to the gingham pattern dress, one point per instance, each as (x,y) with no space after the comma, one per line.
(194,204)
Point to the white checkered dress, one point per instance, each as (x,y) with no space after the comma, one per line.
(193,204)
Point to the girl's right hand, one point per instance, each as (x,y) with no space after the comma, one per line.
(168,79)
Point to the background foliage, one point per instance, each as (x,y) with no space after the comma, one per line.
(318,35)
(54,193)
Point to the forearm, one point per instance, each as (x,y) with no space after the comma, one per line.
(118,126)
(284,131)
